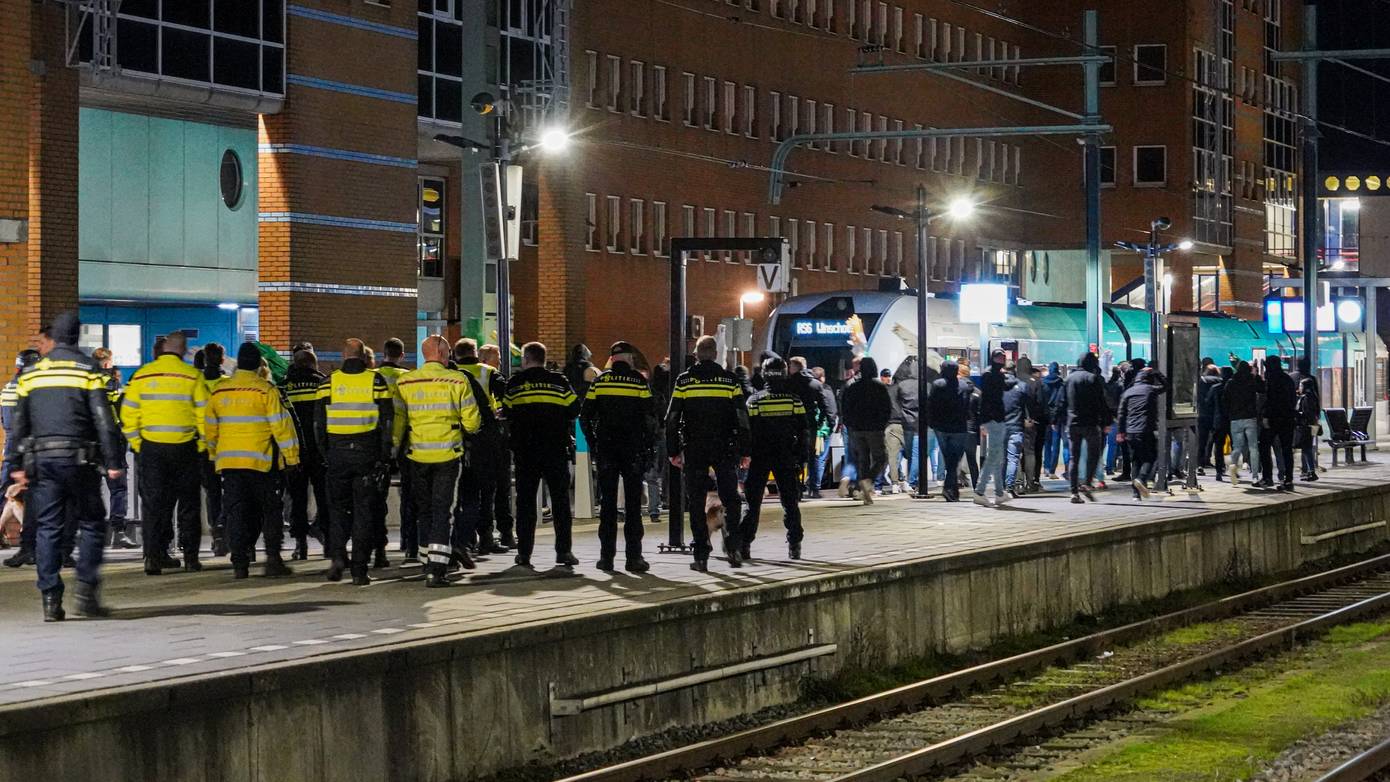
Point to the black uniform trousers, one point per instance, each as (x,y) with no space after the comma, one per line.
(488,461)
(63,489)
(1281,443)
(169,477)
(787,476)
(312,474)
(412,532)
(352,496)
(1091,436)
(468,506)
(432,486)
(501,488)
(554,472)
(631,468)
(252,506)
(212,497)
(699,461)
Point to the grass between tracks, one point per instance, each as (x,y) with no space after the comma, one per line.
(1228,728)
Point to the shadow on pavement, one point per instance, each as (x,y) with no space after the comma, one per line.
(226,609)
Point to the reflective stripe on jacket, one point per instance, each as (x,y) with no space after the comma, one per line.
(164,403)
(247,422)
(351,401)
(438,409)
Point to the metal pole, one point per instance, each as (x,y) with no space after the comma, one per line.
(1368,338)
(501,150)
(923,388)
(1154,292)
(1311,214)
(1346,373)
(674,493)
(1095,294)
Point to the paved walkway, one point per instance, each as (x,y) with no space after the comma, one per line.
(180,624)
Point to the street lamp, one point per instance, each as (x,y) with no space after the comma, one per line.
(751,297)
(554,140)
(960,208)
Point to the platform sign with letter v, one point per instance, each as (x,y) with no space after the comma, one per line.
(772,277)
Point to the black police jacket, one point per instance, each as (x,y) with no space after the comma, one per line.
(618,416)
(778,424)
(707,412)
(301,387)
(541,407)
(63,410)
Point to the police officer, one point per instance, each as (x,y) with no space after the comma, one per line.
(619,422)
(117,488)
(64,428)
(707,429)
(541,408)
(478,480)
(491,355)
(247,423)
(211,366)
(353,425)
(162,417)
(778,422)
(303,384)
(438,410)
(9,400)
(391,368)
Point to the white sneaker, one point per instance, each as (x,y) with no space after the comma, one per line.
(982,500)
(905,487)
(844,487)
(1234,472)
(1000,500)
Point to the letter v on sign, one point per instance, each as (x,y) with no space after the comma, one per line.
(772,278)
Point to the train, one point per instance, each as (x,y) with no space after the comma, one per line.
(823,326)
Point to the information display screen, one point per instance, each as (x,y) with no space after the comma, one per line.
(1184,364)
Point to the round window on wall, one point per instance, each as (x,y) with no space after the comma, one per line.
(231,179)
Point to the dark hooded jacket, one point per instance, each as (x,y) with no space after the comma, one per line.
(1054,395)
(865,405)
(1084,399)
(1020,406)
(1140,403)
(1208,398)
(903,392)
(992,394)
(1240,396)
(948,404)
(1281,396)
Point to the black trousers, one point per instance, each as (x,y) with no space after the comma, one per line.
(432,486)
(1217,454)
(1281,442)
(1092,437)
(252,506)
(972,457)
(212,498)
(1143,450)
(412,532)
(1206,433)
(312,474)
(169,478)
(695,478)
(1040,435)
(530,473)
(631,468)
(352,496)
(1267,454)
(501,488)
(468,500)
(787,476)
(65,493)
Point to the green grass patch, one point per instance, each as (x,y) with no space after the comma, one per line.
(1254,717)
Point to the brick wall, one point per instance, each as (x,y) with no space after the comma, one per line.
(15,331)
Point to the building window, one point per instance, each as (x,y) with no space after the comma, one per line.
(828,125)
(794,240)
(810,126)
(1107,166)
(637,89)
(852,146)
(882,252)
(1206,289)
(659,228)
(750,231)
(711,107)
(828,234)
(615,224)
(637,226)
(591,60)
(430,222)
(810,244)
(774,102)
(615,83)
(730,231)
(591,222)
(687,221)
(1150,64)
(883,142)
(750,111)
(530,214)
(850,235)
(898,143)
(793,115)
(730,104)
(897,253)
(710,228)
(1342,237)
(1150,166)
(688,86)
(1107,68)
(945,50)
(898,29)
(919,37)
(659,110)
(231,179)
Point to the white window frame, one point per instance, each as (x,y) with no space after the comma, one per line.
(882,24)
(828,246)
(897,253)
(1162,76)
(883,252)
(591,59)
(851,146)
(793,115)
(750,231)
(688,221)
(810,243)
(659,107)
(883,142)
(637,91)
(794,241)
(615,83)
(613,238)
(636,226)
(659,237)
(898,36)
(866,239)
(731,230)
(898,144)
(828,125)
(750,111)
(710,227)
(946,42)
(690,108)
(710,103)
(1134,157)
(919,32)
(960,44)
(730,108)
(774,101)
(591,224)
(920,159)
(850,265)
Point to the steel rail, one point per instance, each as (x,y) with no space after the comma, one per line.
(1361,767)
(719,750)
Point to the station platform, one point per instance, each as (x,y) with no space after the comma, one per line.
(288,669)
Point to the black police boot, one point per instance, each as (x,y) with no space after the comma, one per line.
(460,558)
(301,549)
(219,546)
(380,561)
(123,538)
(167,560)
(746,550)
(412,554)
(486,545)
(637,565)
(700,566)
(191,563)
(89,602)
(605,564)
(436,576)
(53,606)
(507,540)
(152,566)
(567,559)
(335,570)
(794,550)
(275,566)
(240,570)
(522,561)
(359,575)
(21,558)
(69,562)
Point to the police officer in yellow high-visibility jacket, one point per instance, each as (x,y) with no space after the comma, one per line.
(479,479)
(212,356)
(162,417)
(353,426)
(438,411)
(248,428)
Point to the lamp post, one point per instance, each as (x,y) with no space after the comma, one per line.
(959,209)
(751,297)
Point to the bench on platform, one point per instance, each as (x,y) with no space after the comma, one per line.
(1347,434)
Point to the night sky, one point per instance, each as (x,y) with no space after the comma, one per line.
(1348,98)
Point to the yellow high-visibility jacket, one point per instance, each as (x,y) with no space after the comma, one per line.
(164,403)
(246,421)
(439,409)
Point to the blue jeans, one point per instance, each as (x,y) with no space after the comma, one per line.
(849,472)
(953,446)
(1015,458)
(819,464)
(995,446)
(1245,443)
(1056,441)
(1112,453)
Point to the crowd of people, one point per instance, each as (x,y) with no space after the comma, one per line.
(250,448)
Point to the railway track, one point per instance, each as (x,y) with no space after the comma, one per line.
(937,724)
(1373,764)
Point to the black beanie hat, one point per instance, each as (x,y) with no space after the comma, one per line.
(65,329)
(248,357)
